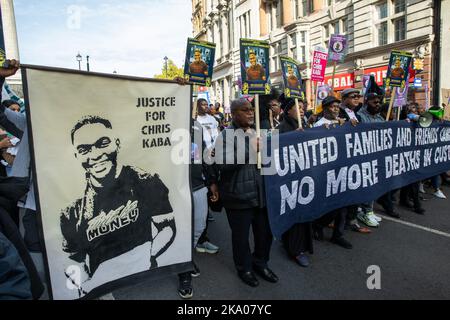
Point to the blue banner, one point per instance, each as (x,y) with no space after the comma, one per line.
(319,170)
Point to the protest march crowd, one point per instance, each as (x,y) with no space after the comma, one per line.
(237,189)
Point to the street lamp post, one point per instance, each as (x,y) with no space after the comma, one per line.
(165,62)
(87,63)
(79,58)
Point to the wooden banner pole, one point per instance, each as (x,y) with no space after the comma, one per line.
(258,129)
(297,108)
(194,106)
(332,77)
(391,103)
(271,119)
(313,94)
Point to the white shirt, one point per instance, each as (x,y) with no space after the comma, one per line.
(210,129)
(351,114)
(323,121)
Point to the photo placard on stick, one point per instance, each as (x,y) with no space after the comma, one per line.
(254,66)
(365,81)
(291,78)
(402,95)
(319,66)
(338,47)
(199,62)
(323,91)
(446,102)
(398,69)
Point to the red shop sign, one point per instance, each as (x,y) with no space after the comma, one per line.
(381,72)
(341,81)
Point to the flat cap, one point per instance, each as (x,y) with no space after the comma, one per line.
(348,92)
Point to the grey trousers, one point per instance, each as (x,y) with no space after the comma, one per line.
(200,212)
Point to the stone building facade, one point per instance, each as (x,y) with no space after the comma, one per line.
(294,27)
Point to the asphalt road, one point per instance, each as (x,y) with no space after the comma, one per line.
(414,264)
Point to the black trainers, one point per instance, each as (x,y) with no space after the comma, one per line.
(393,214)
(406,204)
(342,242)
(318,233)
(185,285)
(196,272)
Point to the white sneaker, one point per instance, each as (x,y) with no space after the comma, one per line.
(439,194)
(367,220)
(421,189)
(372,215)
(207,247)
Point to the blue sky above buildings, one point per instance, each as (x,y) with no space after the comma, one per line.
(131,37)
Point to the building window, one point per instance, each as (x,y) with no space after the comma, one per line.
(391,21)
(336,28)
(382,10)
(269,16)
(244,23)
(304,8)
(302,55)
(221,47)
(399,6)
(276,49)
(382,33)
(297,9)
(279,14)
(300,8)
(293,45)
(302,37)
(245,26)
(344,26)
(400,29)
(326,31)
(230,30)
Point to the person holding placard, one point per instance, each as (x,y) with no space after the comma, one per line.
(331,117)
(241,188)
(298,240)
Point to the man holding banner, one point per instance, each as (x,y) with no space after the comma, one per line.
(350,104)
(330,117)
(242,190)
(298,240)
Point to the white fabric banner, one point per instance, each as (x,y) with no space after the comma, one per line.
(113,204)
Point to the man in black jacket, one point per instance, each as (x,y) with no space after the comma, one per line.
(242,191)
(290,122)
(298,239)
(350,105)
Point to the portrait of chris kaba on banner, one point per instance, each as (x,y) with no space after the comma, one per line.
(121,203)
(114,204)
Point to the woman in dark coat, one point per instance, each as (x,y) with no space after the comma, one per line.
(298,239)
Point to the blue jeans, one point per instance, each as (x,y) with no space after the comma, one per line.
(436,182)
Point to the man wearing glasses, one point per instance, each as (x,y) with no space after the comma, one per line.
(350,105)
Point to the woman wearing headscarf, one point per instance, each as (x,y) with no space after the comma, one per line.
(298,239)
